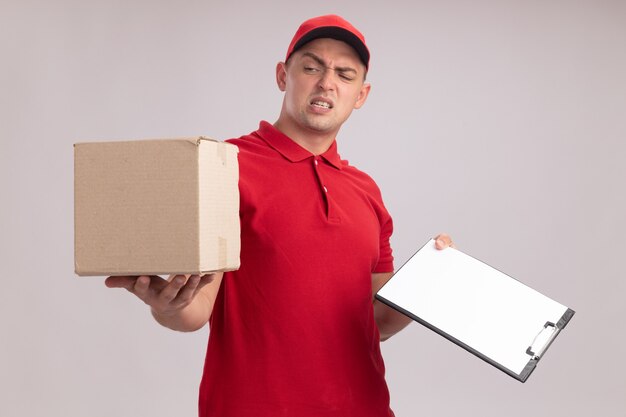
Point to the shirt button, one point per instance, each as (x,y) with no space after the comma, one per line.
(316,162)
(325,189)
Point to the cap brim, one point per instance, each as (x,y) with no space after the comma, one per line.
(339,34)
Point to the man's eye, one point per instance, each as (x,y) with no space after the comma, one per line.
(311,70)
(347,77)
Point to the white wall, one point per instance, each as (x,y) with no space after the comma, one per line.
(500,122)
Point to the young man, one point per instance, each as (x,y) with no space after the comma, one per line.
(295,331)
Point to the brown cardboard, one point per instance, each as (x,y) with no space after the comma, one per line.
(151,207)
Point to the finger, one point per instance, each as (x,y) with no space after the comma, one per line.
(189,290)
(204,280)
(171,290)
(126,282)
(443,241)
(141,287)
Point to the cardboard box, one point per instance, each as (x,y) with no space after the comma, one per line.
(149,207)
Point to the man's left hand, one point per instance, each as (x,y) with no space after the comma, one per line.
(443,241)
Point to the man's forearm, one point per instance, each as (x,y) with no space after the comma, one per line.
(191,318)
(388,320)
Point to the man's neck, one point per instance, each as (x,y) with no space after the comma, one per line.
(315,142)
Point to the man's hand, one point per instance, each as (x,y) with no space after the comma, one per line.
(443,241)
(168,299)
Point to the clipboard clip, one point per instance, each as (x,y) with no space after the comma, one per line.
(543,340)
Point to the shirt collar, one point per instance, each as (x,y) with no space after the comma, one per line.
(290,149)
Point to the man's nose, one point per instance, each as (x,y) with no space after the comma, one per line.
(327,81)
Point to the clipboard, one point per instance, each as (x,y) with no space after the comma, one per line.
(486,312)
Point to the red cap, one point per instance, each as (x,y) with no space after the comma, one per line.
(330,26)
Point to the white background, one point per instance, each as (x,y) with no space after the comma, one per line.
(501,122)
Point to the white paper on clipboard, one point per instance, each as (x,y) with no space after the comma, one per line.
(488,313)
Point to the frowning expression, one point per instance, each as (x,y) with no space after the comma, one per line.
(323,82)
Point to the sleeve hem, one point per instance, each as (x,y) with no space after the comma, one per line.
(383,267)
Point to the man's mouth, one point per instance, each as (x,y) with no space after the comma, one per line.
(322,104)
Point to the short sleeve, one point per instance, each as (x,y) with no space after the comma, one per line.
(385,259)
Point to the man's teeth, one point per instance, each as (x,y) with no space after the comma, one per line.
(321,104)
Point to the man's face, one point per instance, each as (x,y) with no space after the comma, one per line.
(323,82)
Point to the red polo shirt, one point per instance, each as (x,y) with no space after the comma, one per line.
(292,331)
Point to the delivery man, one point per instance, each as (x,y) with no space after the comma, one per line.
(296,330)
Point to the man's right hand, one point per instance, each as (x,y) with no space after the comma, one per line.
(169,298)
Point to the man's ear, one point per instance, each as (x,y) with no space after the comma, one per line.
(360,100)
(281,75)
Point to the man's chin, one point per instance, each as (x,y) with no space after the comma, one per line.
(321,126)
